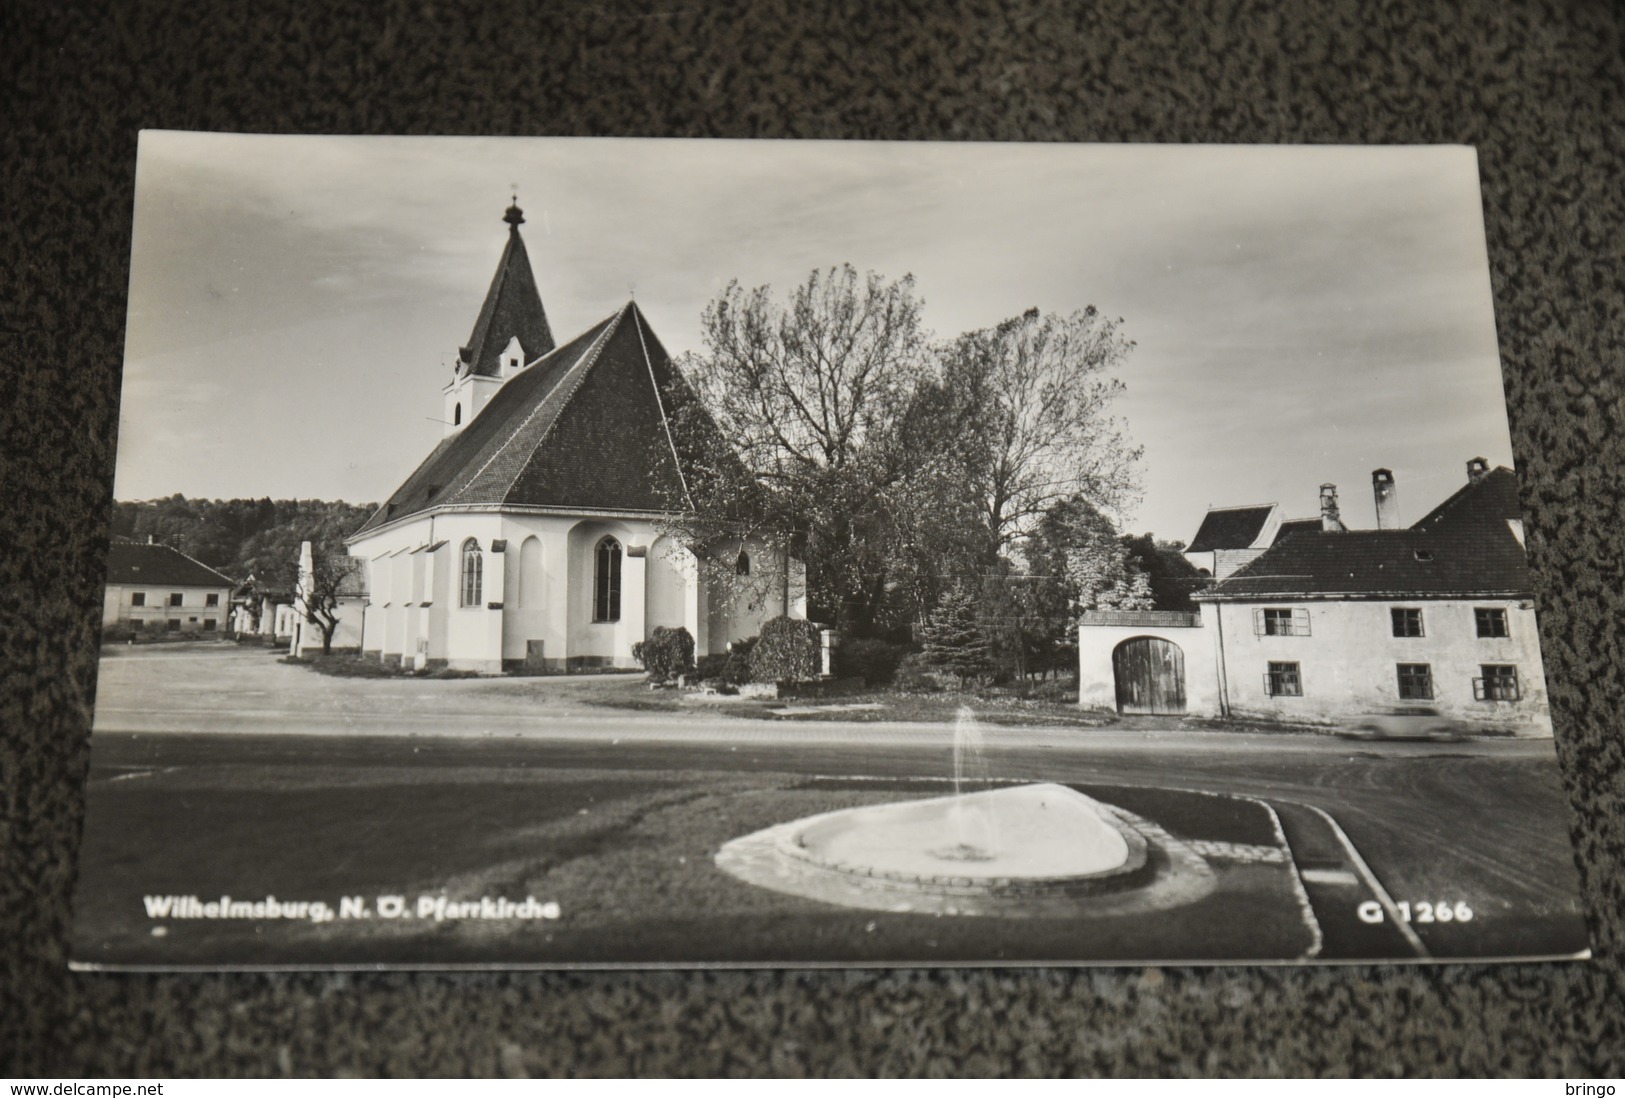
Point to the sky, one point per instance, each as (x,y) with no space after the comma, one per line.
(1301,315)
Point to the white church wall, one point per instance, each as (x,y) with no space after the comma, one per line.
(740,604)
(607,642)
(536,602)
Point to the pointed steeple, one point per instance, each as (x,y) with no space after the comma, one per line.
(512,311)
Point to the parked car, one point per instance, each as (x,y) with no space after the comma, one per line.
(1407,722)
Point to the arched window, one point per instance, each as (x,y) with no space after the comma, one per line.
(742,564)
(606,585)
(473,573)
(457,415)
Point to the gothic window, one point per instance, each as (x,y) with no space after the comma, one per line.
(742,564)
(606,587)
(456,415)
(473,573)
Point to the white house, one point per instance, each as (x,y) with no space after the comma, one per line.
(1329,623)
(536,532)
(156,589)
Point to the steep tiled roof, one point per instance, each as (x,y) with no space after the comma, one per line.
(158,565)
(1463,547)
(1492,498)
(513,308)
(1296,526)
(584,428)
(1230,528)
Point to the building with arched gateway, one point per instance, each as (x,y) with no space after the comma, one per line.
(1330,625)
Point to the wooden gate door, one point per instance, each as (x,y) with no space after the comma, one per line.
(1150,675)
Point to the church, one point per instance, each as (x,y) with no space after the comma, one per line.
(537,533)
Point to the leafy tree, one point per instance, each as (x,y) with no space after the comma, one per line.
(1077,562)
(1172,578)
(952,638)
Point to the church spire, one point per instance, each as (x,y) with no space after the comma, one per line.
(512,312)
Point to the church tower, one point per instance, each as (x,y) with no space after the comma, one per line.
(510,333)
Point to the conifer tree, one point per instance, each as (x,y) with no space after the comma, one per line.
(952,639)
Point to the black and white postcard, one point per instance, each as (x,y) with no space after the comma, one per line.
(566,552)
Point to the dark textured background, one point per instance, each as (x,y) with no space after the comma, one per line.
(1538,88)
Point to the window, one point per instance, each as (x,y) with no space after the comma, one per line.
(173,625)
(742,564)
(606,585)
(473,573)
(1283,621)
(1499,683)
(208,625)
(456,415)
(1407,622)
(138,624)
(139,598)
(1492,622)
(1283,681)
(1416,682)
(174,598)
(212,600)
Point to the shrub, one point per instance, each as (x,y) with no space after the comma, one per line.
(666,654)
(736,671)
(916,675)
(787,651)
(711,667)
(874,660)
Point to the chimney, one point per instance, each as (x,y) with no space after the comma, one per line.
(1329,520)
(1382,487)
(1476,468)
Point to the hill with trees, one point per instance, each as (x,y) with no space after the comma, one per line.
(241,537)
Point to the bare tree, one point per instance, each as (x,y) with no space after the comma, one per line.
(319,585)
(813,395)
(1036,393)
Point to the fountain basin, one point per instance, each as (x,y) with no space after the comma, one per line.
(1032,851)
(998,838)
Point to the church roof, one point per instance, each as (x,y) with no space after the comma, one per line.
(512,309)
(132,562)
(584,428)
(1463,547)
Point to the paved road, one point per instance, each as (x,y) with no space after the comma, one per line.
(1482,823)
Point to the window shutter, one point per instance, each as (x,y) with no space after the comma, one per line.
(1300,622)
(1258,622)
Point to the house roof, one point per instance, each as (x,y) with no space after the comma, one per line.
(132,562)
(584,428)
(512,310)
(1296,526)
(1230,528)
(1491,498)
(1463,547)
